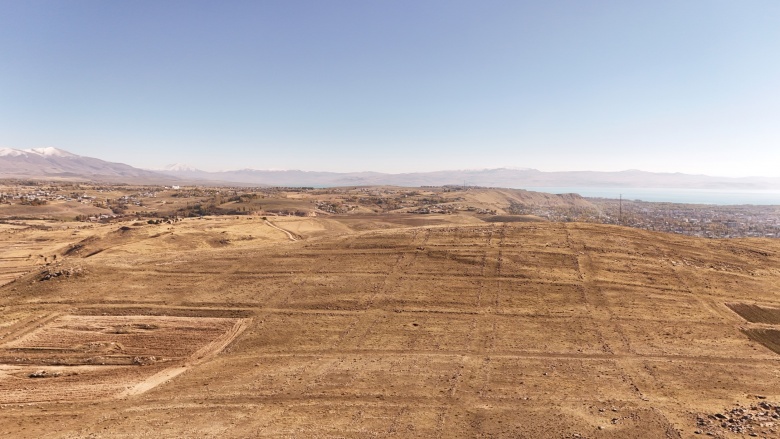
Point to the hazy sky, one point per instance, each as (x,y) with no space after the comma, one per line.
(684,85)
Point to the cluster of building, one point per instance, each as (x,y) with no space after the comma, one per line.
(334,207)
(41,196)
(710,221)
(434,208)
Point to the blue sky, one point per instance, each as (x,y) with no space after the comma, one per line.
(397,86)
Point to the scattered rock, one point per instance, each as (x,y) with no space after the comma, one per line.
(62,272)
(755,420)
(43,374)
(144,361)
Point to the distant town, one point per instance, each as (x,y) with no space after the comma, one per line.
(703,220)
(66,201)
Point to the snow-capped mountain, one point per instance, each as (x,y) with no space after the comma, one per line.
(33,152)
(180,167)
(55,163)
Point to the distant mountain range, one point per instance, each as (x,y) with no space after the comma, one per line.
(502,177)
(57,164)
(53,163)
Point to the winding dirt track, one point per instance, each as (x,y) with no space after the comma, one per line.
(289,234)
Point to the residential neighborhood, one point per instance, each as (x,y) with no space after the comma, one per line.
(104,203)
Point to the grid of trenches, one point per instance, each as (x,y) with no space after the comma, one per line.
(103,353)
(765,320)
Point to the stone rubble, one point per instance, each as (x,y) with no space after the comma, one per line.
(756,420)
(65,272)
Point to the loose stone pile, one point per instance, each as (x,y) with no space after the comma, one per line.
(757,420)
(65,272)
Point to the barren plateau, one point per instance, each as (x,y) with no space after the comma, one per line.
(385,326)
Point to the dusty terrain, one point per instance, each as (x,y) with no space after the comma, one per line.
(385,326)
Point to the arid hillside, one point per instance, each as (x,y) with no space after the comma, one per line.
(440,326)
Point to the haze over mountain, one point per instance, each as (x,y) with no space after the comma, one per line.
(56,163)
(500,177)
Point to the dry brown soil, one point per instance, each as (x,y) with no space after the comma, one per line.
(226,327)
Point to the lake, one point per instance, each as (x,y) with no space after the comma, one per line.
(672,195)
